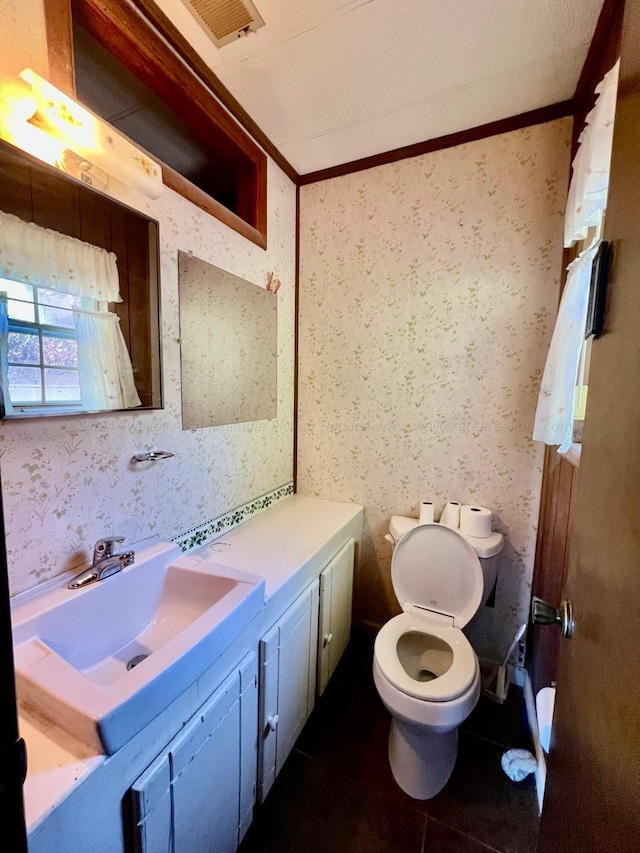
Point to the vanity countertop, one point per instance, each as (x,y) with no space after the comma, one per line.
(57,764)
(277,543)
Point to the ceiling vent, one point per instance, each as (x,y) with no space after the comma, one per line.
(225,21)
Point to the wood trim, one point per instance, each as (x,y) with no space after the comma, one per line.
(252,195)
(483,131)
(57,23)
(609,24)
(175,181)
(131,39)
(59,11)
(296,333)
(192,58)
(602,54)
(126,34)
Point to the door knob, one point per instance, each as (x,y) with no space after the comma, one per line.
(544,614)
(272,723)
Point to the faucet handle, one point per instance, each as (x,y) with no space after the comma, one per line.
(104,546)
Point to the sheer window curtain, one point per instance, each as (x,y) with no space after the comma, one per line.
(39,256)
(556,403)
(104,366)
(586,204)
(4,354)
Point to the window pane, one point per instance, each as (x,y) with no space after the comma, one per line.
(59,352)
(55,308)
(61,386)
(24,385)
(15,291)
(24,348)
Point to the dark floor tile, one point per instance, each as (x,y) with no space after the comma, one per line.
(323,727)
(504,724)
(336,793)
(356,659)
(361,749)
(481,802)
(440,838)
(350,817)
(276,821)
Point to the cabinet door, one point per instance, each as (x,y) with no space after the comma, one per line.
(288,655)
(196,797)
(336,597)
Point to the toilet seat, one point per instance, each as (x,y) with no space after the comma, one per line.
(453,683)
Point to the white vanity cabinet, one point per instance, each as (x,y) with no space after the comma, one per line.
(288,655)
(198,795)
(336,596)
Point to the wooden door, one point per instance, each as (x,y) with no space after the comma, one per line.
(593,791)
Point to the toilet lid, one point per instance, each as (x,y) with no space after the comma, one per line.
(435,569)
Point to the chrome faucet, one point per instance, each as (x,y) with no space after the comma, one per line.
(105,562)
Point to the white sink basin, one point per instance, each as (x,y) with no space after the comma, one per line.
(174,614)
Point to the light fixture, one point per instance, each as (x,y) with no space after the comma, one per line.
(51,126)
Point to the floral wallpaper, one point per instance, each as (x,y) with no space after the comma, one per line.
(22,37)
(68,481)
(428,291)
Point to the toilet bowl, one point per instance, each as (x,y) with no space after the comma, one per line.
(425,670)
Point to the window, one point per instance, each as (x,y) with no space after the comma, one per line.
(563,394)
(42,346)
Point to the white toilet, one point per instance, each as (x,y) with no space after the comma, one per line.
(424,668)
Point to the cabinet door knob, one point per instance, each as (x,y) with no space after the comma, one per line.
(272,723)
(327,640)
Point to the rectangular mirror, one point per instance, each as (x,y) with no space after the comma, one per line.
(79,296)
(229,347)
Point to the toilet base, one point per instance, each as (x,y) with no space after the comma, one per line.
(421,761)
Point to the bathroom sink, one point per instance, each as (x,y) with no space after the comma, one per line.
(104,660)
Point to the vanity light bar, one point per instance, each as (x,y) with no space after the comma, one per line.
(45,122)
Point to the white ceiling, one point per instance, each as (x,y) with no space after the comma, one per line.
(331,81)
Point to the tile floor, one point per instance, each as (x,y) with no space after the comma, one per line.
(336,794)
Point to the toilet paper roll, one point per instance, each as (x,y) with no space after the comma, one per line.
(426,512)
(476,521)
(451,515)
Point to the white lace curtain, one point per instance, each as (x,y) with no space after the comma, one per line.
(586,204)
(44,258)
(590,179)
(554,415)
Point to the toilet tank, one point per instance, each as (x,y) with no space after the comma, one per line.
(487,549)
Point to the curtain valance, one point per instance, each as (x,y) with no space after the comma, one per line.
(590,179)
(46,258)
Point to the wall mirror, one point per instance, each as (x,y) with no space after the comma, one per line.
(79,296)
(229,347)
